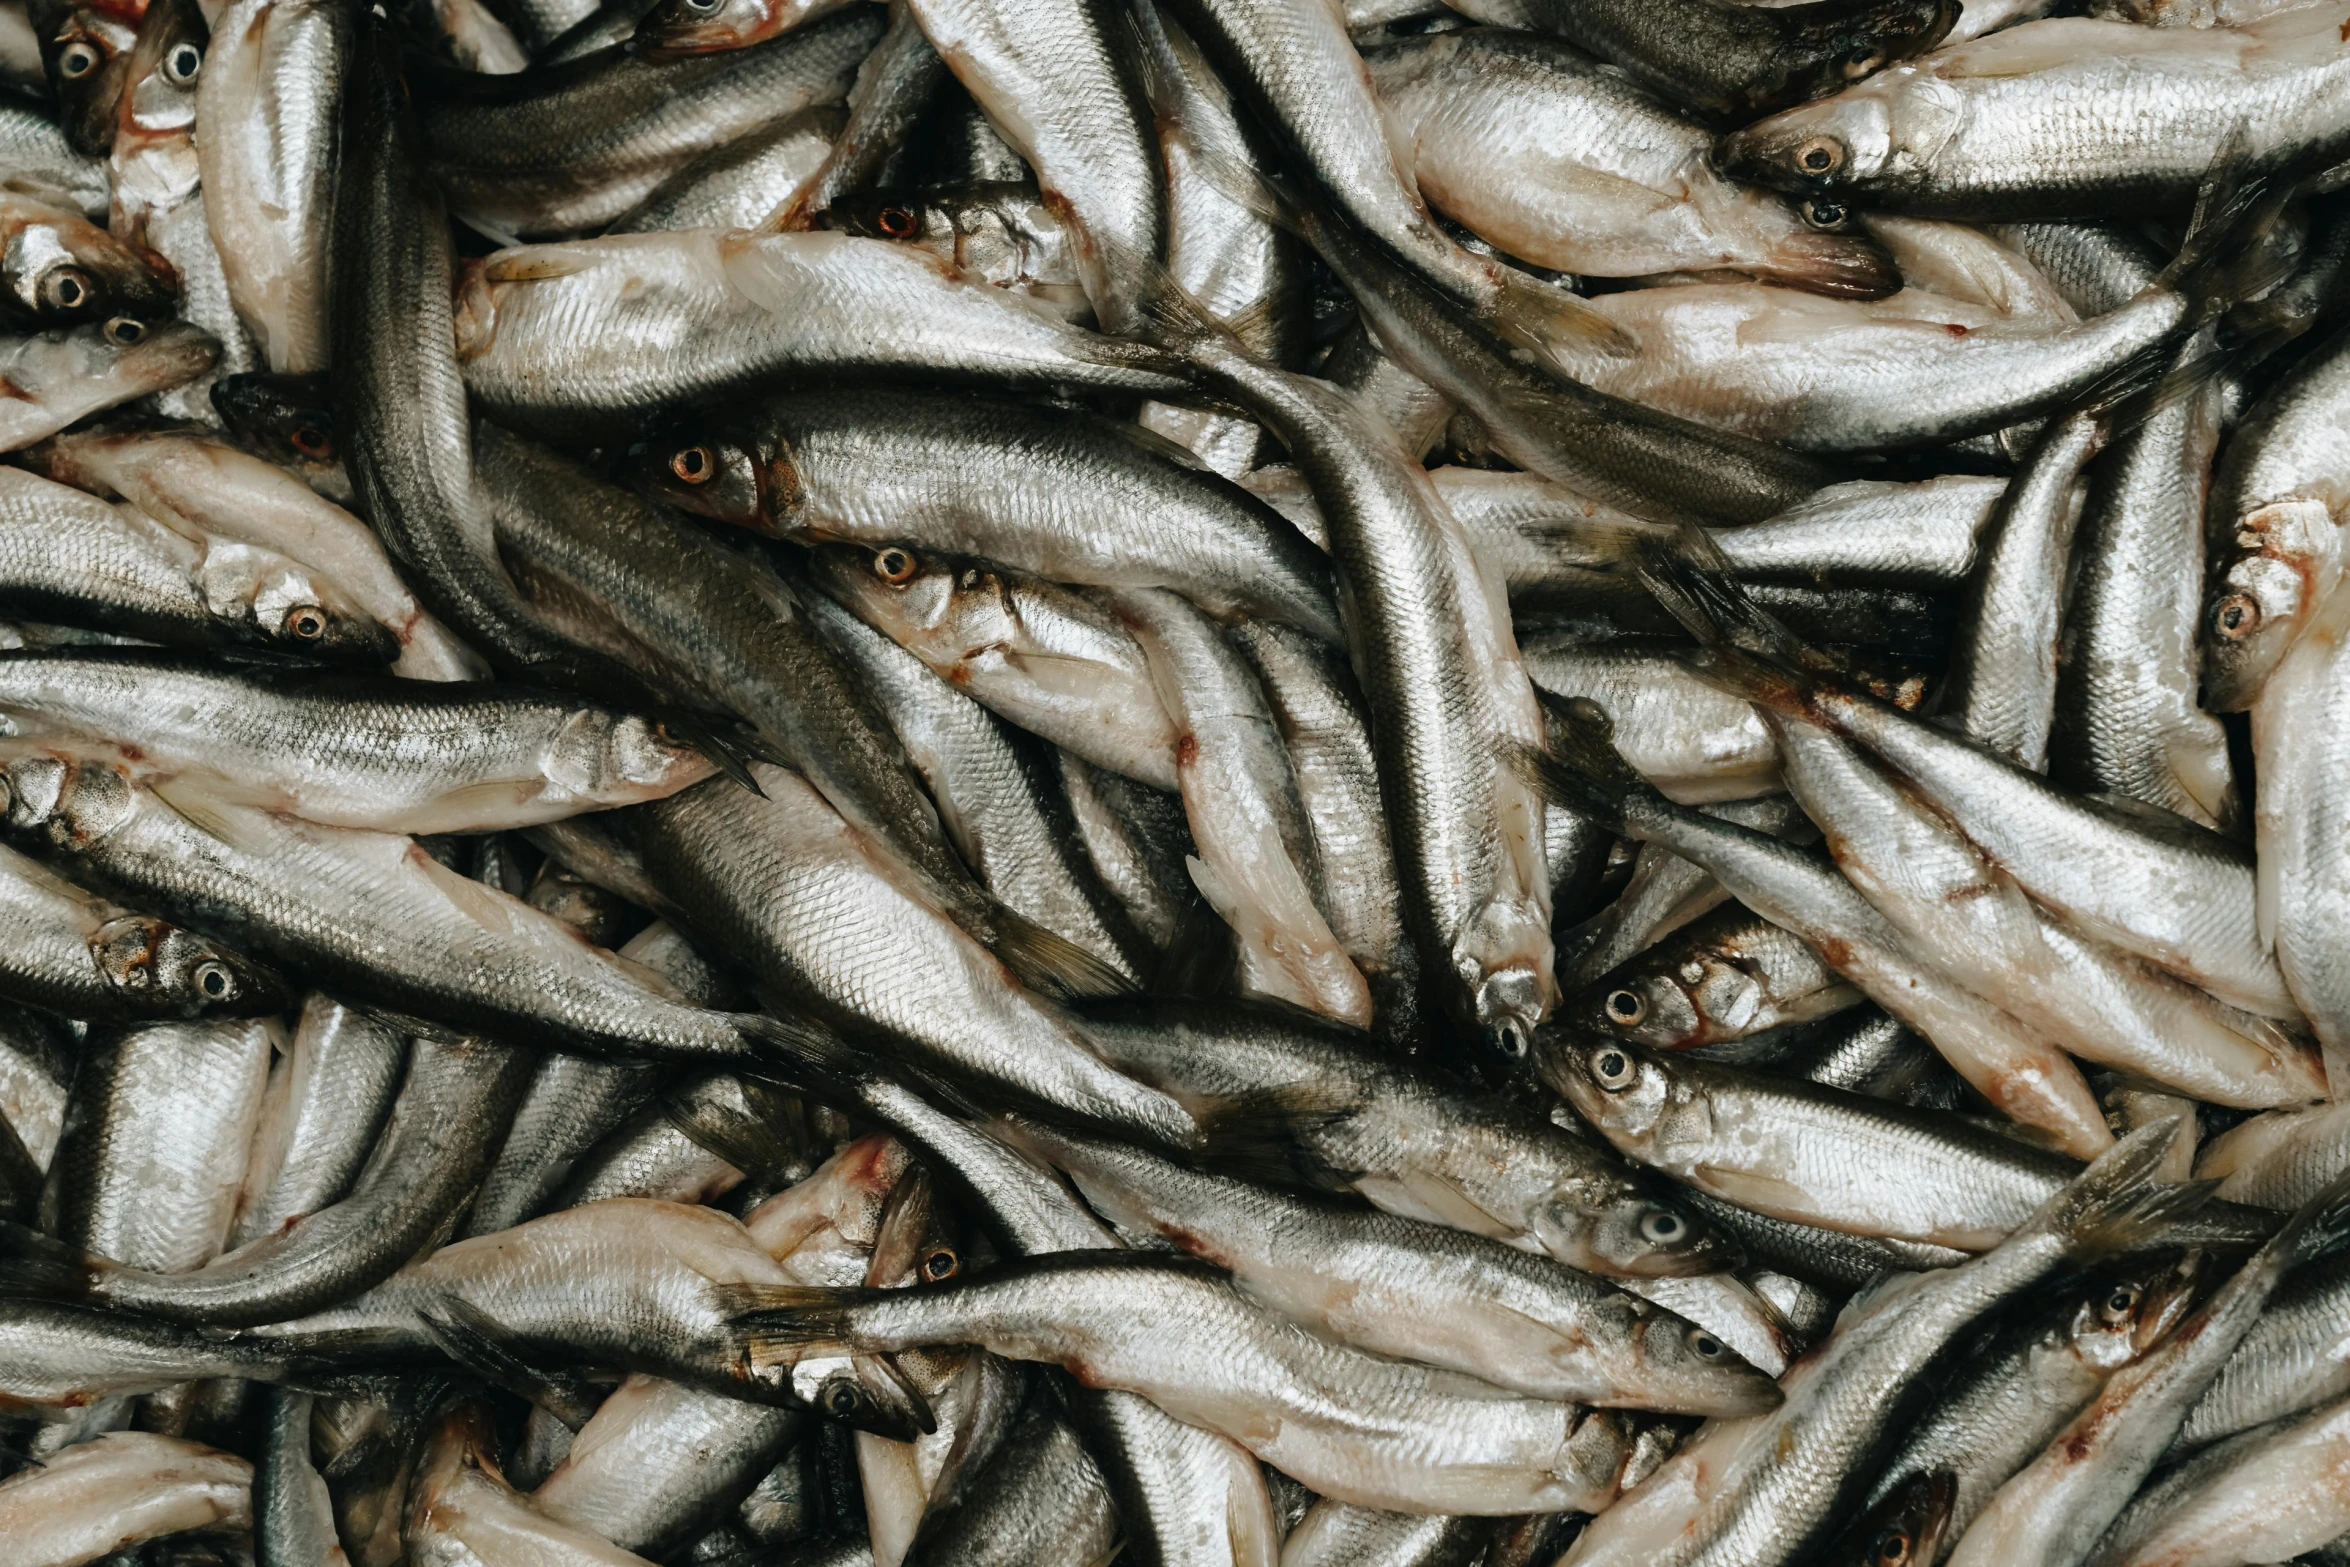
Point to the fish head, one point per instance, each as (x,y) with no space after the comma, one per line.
(288,419)
(681,27)
(863,1392)
(912,600)
(1623,1090)
(1827,48)
(1684,1366)
(128,357)
(1639,1233)
(57,268)
(279,603)
(1906,1529)
(2282,560)
(160,970)
(621,757)
(722,477)
(165,64)
(1511,1003)
(2123,1316)
(1654,1008)
(1882,136)
(89,59)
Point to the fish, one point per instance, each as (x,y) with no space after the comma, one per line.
(331,1089)
(1723,976)
(288,741)
(1966,131)
(62,269)
(949,475)
(2055,1509)
(1411,1145)
(738,184)
(1562,162)
(1414,1290)
(120,1489)
(586,140)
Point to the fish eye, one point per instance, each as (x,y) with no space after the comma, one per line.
(1704,1345)
(1612,1070)
(123,331)
(841,1398)
(941,1265)
(310,440)
(214,979)
(2235,617)
(1861,62)
(895,566)
(1662,1226)
(1894,1548)
(305,623)
(1820,155)
(1826,215)
(182,65)
(77,60)
(1625,1006)
(66,288)
(897,222)
(2118,1306)
(705,7)
(1509,1038)
(694,464)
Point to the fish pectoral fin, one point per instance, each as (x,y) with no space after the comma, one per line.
(472,1338)
(1748,1189)
(239,826)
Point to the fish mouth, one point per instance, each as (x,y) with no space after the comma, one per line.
(1839,266)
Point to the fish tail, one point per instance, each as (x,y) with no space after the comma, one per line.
(1546,320)
(2318,1226)
(769,1140)
(807,1053)
(783,1323)
(2117,1205)
(1578,764)
(43,1267)
(1047,960)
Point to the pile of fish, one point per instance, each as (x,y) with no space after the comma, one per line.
(1207,783)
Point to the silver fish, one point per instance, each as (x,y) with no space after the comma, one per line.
(1355,1427)
(736,185)
(330,1091)
(128,1486)
(1723,976)
(2290,1361)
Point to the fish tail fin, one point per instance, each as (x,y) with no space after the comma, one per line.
(770,1140)
(1578,764)
(2318,1226)
(2224,258)
(475,1340)
(1047,960)
(1547,321)
(45,1268)
(1690,578)
(2118,1204)
(783,1323)
(807,1053)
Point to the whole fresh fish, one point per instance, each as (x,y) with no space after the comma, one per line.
(2055,1509)
(1026,487)
(348,751)
(370,913)
(1410,1145)
(1765,1142)
(1052,661)
(2023,1379)
(1746,1491)
(564,148)
(267,106)
(1562,162)
(65,377)
(1417,1291)
(701,314)
(1126,1318)
(1976,130)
